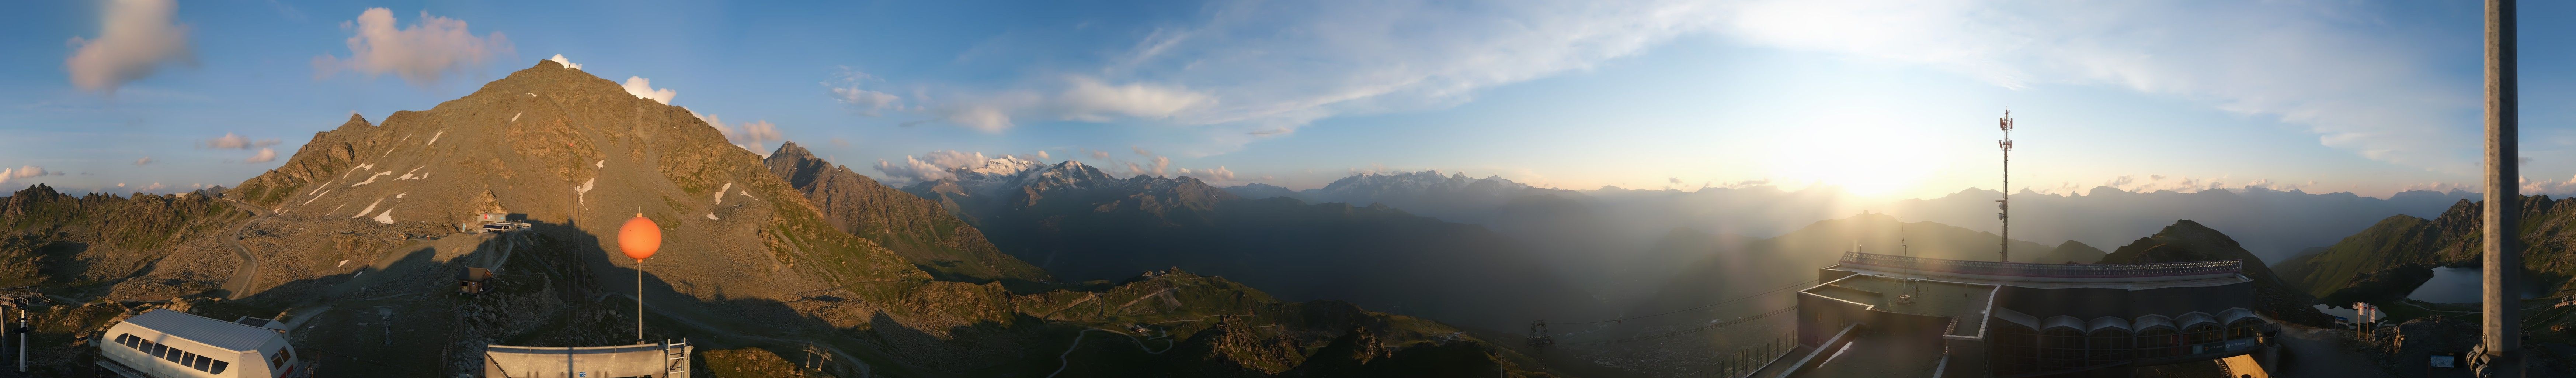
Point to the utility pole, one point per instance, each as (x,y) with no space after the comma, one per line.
(23,330)
(2004,247)
(2500,353)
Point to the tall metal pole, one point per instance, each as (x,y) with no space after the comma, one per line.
(639,300)
(2501,352)
(2004,246)
(23,330)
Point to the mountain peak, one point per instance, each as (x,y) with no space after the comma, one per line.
(2189,241)
(789,149)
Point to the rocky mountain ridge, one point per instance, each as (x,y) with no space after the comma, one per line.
(2396,255)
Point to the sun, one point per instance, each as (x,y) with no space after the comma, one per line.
(1863,159)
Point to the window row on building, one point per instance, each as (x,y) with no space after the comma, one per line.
(2019,349)
(172,354)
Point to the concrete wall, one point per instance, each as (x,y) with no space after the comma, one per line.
(640,360)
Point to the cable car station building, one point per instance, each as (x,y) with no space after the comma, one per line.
(1898,316)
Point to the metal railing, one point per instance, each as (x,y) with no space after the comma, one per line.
(2044,270)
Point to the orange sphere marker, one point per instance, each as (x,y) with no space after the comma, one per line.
(639,238)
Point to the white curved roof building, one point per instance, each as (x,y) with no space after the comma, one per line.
(171,344)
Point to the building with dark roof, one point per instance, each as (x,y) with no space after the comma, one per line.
(1899,316)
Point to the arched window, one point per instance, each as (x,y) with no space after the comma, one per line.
(2111,345)
(2016,348)
(2244,328)
(2061,348)
(2201,333)
(2158,341)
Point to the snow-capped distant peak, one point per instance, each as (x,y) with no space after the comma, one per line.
(1005,166)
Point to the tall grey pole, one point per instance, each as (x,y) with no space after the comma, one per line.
(23,329)
(2502,346)
(639,301)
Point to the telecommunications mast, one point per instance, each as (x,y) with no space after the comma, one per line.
(2004,247)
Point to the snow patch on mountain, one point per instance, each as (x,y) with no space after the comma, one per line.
(582,193)
(371,179)
(371,207)
(309,201)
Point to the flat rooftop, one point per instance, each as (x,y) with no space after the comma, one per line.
(2049,276)
(1966,302)
(1877,354)
(215,333)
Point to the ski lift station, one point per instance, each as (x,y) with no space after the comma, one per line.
(171,344)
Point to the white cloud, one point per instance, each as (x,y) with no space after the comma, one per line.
(1161,166)
(236,141)
(752,136)
(643,88)
(846,89)
(1367,57)
(25,172)
(1089,99)
(917,170)
(1219,174)
(147,160)
(264,155)
(431,48)
(953,159)
(559,59)
(135,38)
(988,118)
(941,165)
(2530,187)
(1042,156)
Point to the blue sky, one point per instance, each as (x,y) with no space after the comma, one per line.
(1891,99)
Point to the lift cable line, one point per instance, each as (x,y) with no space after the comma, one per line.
(1699,329)
(1773,291)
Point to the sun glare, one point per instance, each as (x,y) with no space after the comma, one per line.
(1863,158)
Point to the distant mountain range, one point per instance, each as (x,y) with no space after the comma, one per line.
(2273,224)
(1081,224)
